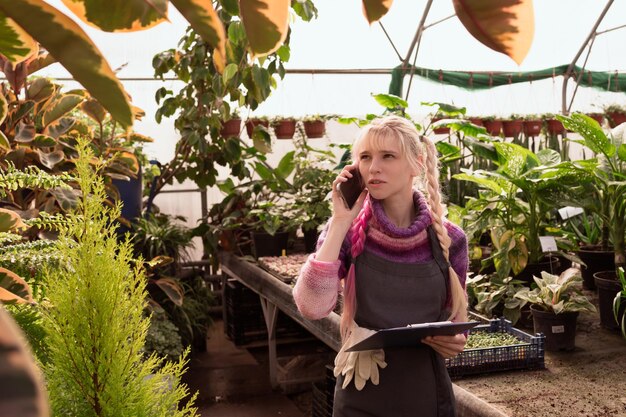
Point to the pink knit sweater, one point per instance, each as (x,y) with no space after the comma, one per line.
(318,285)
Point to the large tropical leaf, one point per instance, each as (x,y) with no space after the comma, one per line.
(69,44)
(375,9)
(60,107)
(15,44)
(266,23)
(204,20)
(10,220)
(13,288)
(506,26)
(593,135)
(4,108)
(172,289)
(120,15)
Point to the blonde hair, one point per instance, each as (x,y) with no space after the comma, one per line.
(422,156)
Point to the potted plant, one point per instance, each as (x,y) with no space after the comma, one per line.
(553,124)
(493,125)
(312,181)
(315,125)
(619,302)
(616,114)
(532,125)
(476,120)
(284,127)
(605,195)
(255,123)
(231,127)
(512,126)
(493,296)
(555,305)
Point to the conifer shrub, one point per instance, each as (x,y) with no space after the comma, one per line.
(95,325)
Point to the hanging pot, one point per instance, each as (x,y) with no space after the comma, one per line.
(616,119)
(284,129)
(559,329)
(252,123)
(231,128)
(532,127)
(554,127)
(493,127)
(314,128)
(512,128)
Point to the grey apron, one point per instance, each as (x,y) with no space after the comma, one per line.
(415,382)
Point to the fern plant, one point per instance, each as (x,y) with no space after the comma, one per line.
(95,325)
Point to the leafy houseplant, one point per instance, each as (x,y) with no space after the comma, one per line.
(555,305)
(493,296)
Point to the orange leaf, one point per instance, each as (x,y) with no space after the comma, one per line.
(119,15)
(374,10)
(506,26)
(266,23)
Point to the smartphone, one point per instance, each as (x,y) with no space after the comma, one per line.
(351,189)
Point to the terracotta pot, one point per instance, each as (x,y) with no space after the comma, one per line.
(314,129)
(252,123)
(608,287)
(476,120)
(231,128)
(493,126)
(554,127)
(440,130)
(616,119)
(532,127)
(598,117)
(512,128)
(559,329)
(284,129)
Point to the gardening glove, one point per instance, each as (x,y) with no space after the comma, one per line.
(362,365)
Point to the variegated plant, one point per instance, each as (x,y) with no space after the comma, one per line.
(558,293)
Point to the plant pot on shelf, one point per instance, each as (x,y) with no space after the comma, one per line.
(265,244)
(554,127)
(252,123)
(284,129)
(559,329)
(314,128)
(443,130)
(616,119)
(532,127)
(476,121)
(596,260)
(512,128)
(231,128)
(608,287)
(493,127)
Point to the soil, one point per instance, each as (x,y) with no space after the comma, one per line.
(588,381)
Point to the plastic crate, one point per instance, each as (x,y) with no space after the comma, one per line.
(529,355)
(244,322)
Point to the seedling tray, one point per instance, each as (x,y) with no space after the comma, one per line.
(528,355)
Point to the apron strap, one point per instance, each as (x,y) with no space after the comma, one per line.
(435,247)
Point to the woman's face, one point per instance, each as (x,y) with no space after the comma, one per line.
(385,168)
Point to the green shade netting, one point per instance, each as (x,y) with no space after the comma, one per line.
(480,80)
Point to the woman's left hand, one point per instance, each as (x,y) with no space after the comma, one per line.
(446,346)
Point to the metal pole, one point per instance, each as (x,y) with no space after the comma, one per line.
(582,48)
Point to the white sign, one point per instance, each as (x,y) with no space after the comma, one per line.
(558,329)
(548,244)
(569,211)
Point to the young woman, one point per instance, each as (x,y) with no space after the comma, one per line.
(401,263)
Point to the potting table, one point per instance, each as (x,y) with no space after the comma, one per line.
(276,295)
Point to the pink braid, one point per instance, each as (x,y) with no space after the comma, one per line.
(357,237)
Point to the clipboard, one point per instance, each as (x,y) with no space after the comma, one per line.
(411,335)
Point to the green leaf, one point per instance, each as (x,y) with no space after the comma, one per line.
(621,152)
(229,72)
(55,31)
(593,135)
(236,32)
(483,182)
(49,160)
(44,141)
(390,101)
(13,288)
(231,7)
(10,220)
(61,127)
(263,171)
(286,165)
(67,199)
(446,109)
(548,157)
(284,53)
(4,142)
(94,110)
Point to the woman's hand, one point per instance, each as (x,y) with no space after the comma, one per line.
(446,346)
(340,210)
